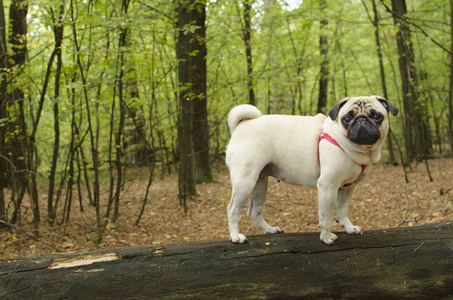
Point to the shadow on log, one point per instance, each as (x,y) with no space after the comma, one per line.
(401,263)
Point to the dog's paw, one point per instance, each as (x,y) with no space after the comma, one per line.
(353,230)
(329,239)
(238,239)
(273,230)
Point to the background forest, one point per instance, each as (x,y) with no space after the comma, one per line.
(92,91)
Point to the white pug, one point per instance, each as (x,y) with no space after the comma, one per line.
(330,153)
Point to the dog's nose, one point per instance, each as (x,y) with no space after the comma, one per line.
(361,120)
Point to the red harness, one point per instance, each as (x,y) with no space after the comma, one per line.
(324,135)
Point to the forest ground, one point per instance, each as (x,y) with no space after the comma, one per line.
(383,200)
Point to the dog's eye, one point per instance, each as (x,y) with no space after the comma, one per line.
(347,119)
(377,117)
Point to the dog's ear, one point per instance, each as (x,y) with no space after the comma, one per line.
(333,113)
(392,109)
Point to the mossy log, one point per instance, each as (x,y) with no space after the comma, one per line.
(400,263)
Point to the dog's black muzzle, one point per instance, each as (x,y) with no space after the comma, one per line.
(363,132)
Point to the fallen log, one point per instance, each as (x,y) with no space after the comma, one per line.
(403,263)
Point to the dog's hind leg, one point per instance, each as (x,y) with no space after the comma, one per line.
(256,202)
(242,188)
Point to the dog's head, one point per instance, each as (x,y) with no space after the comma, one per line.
(365,119)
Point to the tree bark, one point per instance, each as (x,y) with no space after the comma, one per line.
(186,183)
(23,146)
(58,35)
(3,104)
(375,22)
(401,263)
(120,132)
(324,73)
(14,134)
(200,133)
(18,20)
(248,50)
(450,88)
(417,139)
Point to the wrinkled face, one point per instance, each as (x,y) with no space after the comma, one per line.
(365,119)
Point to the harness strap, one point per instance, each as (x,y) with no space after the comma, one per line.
(326,136)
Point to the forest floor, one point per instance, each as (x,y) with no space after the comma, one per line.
(383,200)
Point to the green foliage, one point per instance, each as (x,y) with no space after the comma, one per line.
(286,58)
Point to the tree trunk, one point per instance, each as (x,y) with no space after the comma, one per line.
(120,132)
(138,150)
(200,133)
(416,131)
(18,20)
(248,50)
(186,183)
(14,132)
(58,35)
(450,88)
(392,158)
(324,73)
(3,104)
(138,153)
(401,263)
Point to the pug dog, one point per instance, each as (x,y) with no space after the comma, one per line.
(331,153)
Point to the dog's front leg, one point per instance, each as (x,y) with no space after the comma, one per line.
(327,194)
(344,195)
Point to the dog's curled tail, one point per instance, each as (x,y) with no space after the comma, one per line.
(241,113)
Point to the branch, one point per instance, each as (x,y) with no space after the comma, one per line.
(407,221)
(416,26)
(169,17)
(15,227)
